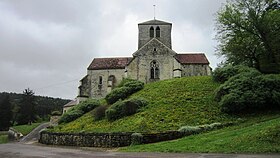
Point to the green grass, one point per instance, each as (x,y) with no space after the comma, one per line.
(25,129)
(254,136)
(172,104)
(3,139)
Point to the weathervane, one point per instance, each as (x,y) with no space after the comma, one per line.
(154,12)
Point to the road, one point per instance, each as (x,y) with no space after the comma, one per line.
(33,136)
(28,147)
(20,150)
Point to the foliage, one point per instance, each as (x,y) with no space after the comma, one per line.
(172,104)
(44,107)
(129,87)
(27,105)
(247,92)
(3,139)
(26,129)
(248,33)
(136,139)
(254,136)
(87,105)
(5,114)
(78,110)
(117,94)
(56,113)
(125,80)
(222,74)
(70,116)
(125,108)
(190,130)
(99,112)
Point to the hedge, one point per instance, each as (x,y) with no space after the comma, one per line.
(125,108)
(78,110)
(124,92)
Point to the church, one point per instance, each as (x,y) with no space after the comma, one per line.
(153,61)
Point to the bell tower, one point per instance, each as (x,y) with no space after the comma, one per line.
(154,29)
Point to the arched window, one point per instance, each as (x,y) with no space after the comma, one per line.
(152,34)
(111,81)
(157,32)
(154,70)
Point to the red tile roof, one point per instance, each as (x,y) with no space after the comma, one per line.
(199,58)
(109,63)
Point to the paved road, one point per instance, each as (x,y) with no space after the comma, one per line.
(33,136)
(28,147)
(19,150)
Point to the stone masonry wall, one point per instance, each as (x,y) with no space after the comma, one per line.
(101,90)
(144,34)
(139,68)
(105,140)
(195,70)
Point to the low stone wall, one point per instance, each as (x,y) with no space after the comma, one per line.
(105,140)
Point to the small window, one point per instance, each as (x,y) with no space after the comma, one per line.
(154,70)
(152,34)
(100,80)
(157,32)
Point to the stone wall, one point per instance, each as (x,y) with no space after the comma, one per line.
(105,140)
(54,120)
(100,90)
(139,68)
(144,34)
(196,70)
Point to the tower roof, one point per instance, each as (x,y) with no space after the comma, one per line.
(155,22)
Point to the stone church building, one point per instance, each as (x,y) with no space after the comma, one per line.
(154,60)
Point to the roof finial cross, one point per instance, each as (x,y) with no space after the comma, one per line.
(154,12)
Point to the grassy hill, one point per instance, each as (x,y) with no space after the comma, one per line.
(172,104)
(258,135)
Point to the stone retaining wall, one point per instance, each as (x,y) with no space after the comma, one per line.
(105,140)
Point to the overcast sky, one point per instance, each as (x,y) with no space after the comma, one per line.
(47,45)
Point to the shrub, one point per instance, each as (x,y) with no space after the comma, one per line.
(78,110)
(136,139)
(70,116)
(88,105)
(56,113)
(211,126)
(125,91)
(117,94)
(125,108)
(99,112)
(134,86)
(248,92)
(125,80)
(188,130)
(222,74)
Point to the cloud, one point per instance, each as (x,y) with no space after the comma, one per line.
(47,45)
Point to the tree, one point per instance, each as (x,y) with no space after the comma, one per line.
(27,108)
(249,34)
(5,113)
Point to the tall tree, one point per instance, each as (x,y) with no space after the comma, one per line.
(27,108)
(5,113)
(249,33)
